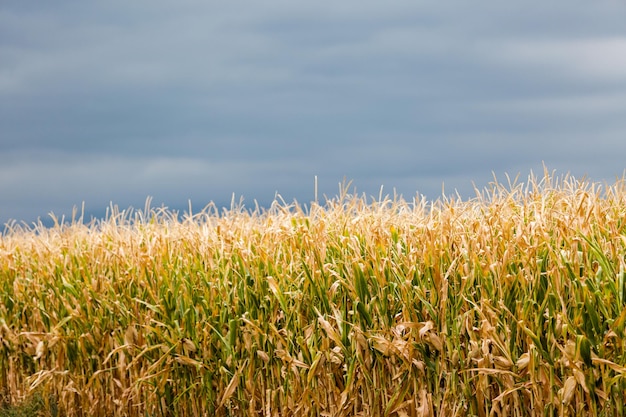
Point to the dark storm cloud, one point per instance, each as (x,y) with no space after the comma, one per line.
(116,101)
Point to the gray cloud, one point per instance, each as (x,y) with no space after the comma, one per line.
(198,100)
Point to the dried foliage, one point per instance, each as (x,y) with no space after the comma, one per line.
(508,304)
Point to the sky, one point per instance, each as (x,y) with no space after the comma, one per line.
(112,102)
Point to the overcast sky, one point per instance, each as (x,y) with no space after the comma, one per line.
(115,101)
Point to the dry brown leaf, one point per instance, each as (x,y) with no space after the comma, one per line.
(569,389)
(230,389)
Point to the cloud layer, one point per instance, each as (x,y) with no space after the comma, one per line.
(118,101)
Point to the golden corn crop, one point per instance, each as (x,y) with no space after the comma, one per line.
(512,303)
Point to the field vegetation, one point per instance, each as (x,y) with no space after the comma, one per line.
(512,303)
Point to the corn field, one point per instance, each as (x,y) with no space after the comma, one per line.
(512,303)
